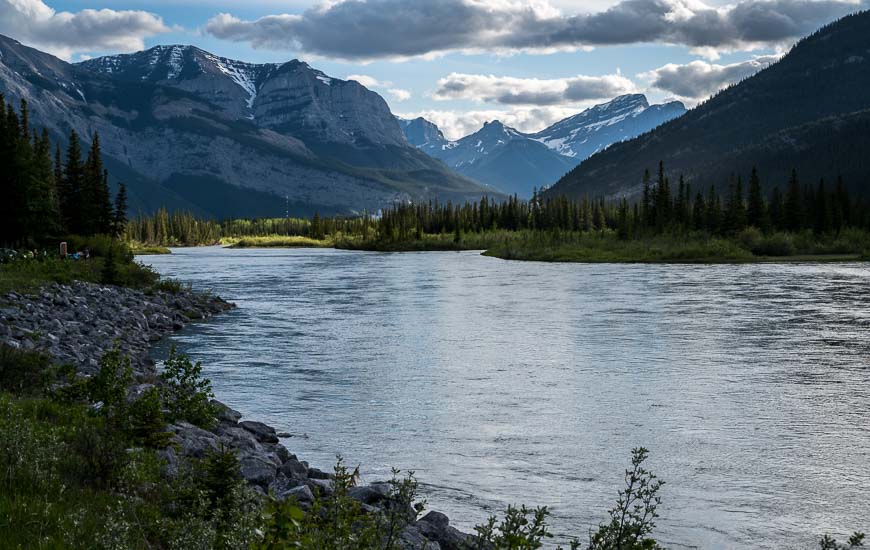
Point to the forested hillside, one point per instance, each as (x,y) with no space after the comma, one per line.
(806,112)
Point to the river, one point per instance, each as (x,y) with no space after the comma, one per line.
(510,382)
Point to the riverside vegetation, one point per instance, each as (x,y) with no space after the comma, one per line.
(668,224)
(99,450)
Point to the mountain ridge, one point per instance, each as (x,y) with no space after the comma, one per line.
(223,138)
(517,162)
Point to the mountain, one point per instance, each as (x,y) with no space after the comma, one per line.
(514,162)
(598,127)
(425,136)
(809,111)
(187,129)
(504,158)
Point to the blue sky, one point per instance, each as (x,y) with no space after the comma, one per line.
(457,62)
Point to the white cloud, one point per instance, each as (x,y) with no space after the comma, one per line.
(399,94)
(457,124)
(64,33)
(698,80)
(532,91)
(399,29)
(368,81)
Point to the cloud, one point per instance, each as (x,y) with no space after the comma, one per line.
(64,33)
(457,124)
(698,80)
(398,29)
(368,81)
(531,91)
(399,94)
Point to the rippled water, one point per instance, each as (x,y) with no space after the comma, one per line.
(510,382)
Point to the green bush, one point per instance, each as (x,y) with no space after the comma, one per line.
(777,244)
(186,395)
(147,423)
(25,372)
(339,521)
(829,543)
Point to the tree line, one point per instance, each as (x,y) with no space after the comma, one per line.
(46,194)
(664,207)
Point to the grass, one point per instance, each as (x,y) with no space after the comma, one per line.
(26,276)
(276,241)
(606,247)
(141,250)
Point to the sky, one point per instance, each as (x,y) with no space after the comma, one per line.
(458,63)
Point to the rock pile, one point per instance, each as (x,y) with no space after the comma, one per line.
(78,323)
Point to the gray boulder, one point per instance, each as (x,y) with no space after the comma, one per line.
(257,469)
(436,526)
(263,432)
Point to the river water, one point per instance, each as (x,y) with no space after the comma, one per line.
(510,382)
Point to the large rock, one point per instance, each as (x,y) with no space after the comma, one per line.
(436,526)
(263,433)
(257,469)
(194,441)
(370,494)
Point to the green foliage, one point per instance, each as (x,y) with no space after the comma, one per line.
(185,393)
(147,423)
(632,520)
(520,529)
(25,372)
(339,521)
(829,543)
(107,389)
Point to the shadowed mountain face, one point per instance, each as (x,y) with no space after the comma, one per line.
(514,162)
(809,111)
(187,129)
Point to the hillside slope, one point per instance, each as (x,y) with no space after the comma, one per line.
(806,112)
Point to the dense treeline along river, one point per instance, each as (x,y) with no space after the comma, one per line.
(512,382)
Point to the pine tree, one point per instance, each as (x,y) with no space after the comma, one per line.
(793,213)
(70,188)
(756,211)
(822,223)
(119,221)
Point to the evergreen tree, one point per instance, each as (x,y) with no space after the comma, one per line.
(823,218)
(70,188)
(756,211)
(793,211)
(119,221)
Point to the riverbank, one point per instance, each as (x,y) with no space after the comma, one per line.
(601,247)
(80,324)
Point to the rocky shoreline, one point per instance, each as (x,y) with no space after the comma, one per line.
(78,323)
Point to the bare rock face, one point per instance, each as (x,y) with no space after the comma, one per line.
(184,128)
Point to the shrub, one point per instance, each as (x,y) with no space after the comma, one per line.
(147,423)
(185,393)
(777,244)
(521,529)
(25,372)
(829,543)
(633,519)
(107,389)
(749,238)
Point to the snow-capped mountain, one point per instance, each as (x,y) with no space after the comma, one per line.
(188,129)
(290,98)
(496,155)
(598,127)
(515,162)
(425,136)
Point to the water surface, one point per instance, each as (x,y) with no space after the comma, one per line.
(510,382)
